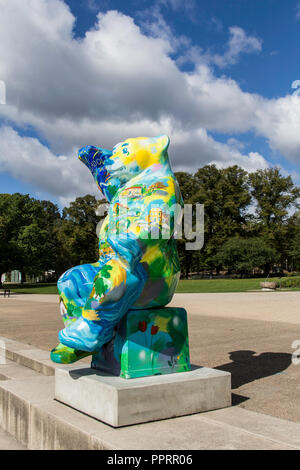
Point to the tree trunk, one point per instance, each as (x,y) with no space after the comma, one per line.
(187,265)
(267,269)
(22,277)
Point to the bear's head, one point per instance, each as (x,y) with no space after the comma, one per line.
(113,169)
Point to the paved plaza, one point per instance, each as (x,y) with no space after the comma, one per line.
(247,334)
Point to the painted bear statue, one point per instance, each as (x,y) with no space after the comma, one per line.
(138,267)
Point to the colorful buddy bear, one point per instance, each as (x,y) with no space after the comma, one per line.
(138,267)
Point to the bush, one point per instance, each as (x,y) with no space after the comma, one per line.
(289,282)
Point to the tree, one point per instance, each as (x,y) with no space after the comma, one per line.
(243,255)
(27,231)
(7,222)
(35,237)
(294,252)
(188,185)
(77,233)
(32,242)
(226,197)
(292,242)
(275,196)
(82,210)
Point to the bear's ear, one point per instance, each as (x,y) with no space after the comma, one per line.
(86,155)
(162,142)
(93,157)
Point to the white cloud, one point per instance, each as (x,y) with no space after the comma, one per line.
(31,162)
(154,24)
(118,82)
(279,121)
(233,142)
(65,177)
(298,10)
(198,149)
(116,74)
(239,43)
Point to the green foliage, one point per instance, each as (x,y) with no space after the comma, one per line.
(187,185)
(289,282)
(226,196)
(77,233)
(275,196)
(35,237)
(251,221)
(27,236)
(229,196)
(243,255)
(292,242)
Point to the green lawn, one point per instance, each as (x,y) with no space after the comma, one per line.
(224,285)
(34,288)
(218,285)
(184,286)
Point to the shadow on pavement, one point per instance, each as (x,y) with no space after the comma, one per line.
(246,367)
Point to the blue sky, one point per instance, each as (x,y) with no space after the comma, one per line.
(88,75)
(206,23)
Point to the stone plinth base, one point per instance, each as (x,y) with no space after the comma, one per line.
(121,402)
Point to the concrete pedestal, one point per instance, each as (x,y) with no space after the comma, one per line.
(121,402)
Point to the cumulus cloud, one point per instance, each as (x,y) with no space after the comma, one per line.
(116,73)
(65,177)
(28,160)
(120,81)
(203,149)
(279,120)
(239,42)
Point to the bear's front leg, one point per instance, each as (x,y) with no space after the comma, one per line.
(116,287)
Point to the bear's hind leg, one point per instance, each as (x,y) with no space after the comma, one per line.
(74,288)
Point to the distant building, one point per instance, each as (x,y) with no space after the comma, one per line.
(14,276)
